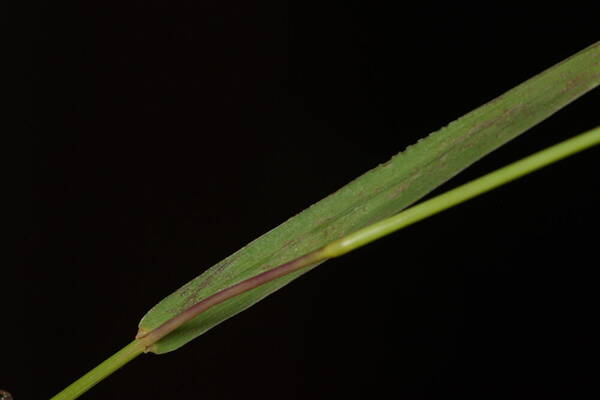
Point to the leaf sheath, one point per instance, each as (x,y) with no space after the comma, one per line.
(383,228)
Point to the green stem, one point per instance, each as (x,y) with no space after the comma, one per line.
(337,248)
(107,367)
(463,193)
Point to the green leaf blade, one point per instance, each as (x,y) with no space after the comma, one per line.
(379,193)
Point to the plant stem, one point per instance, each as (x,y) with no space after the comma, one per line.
(463,193)
(145,340)
(107,367)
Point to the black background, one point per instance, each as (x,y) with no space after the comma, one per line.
(170,134)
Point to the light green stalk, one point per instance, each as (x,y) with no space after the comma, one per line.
(107,367)
(463,193)
(337,248)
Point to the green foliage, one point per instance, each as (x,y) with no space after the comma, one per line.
(378,194)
